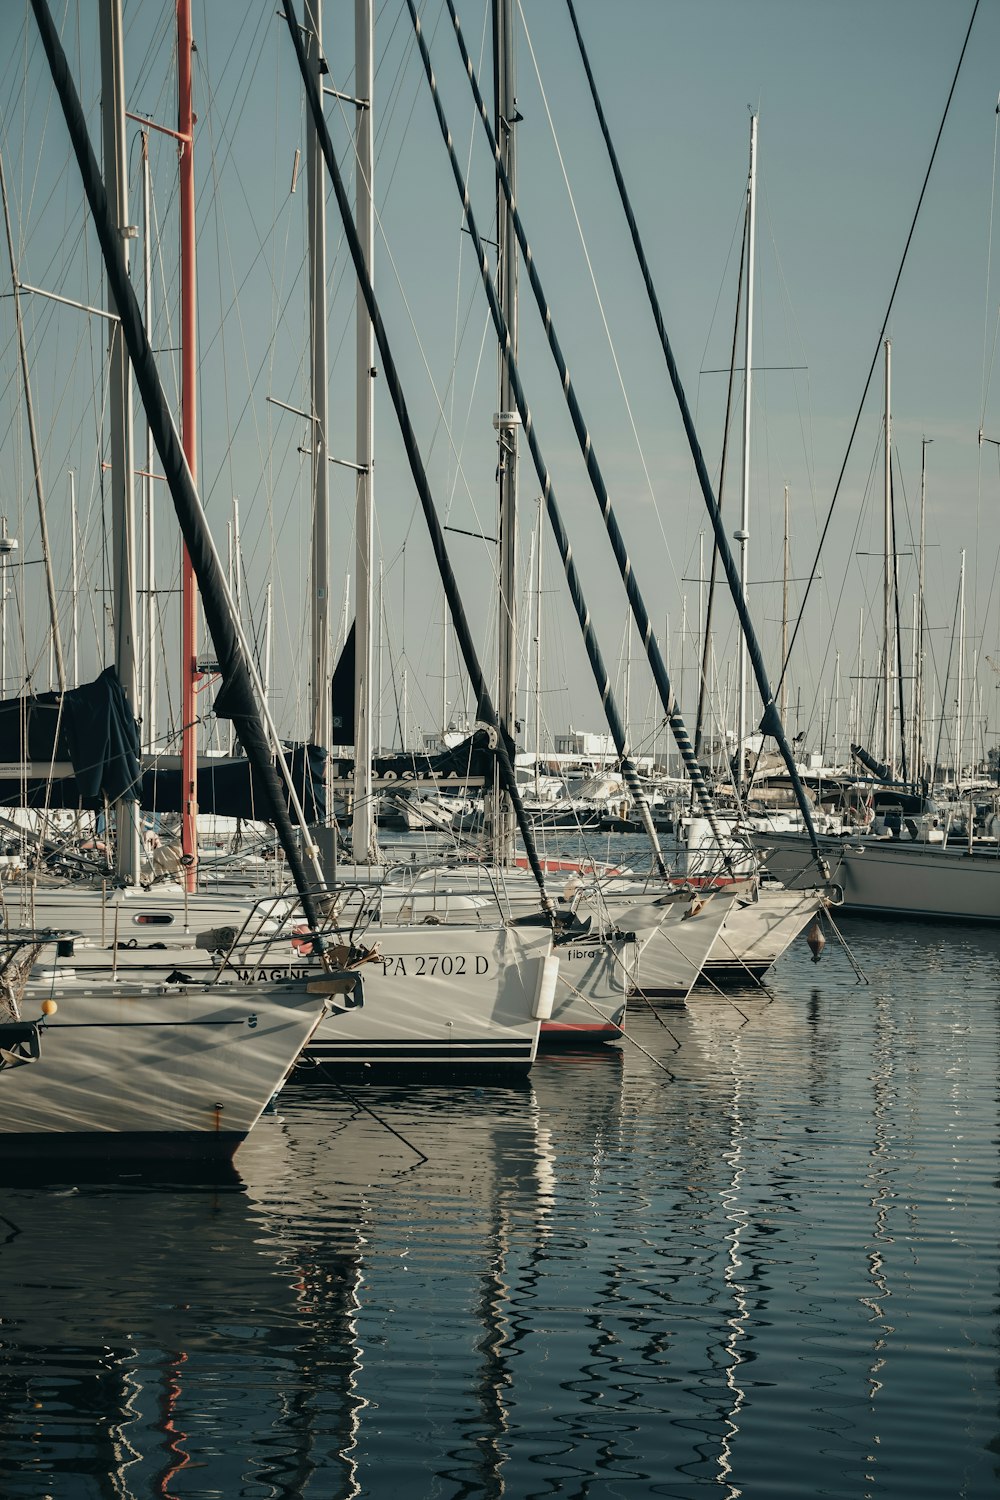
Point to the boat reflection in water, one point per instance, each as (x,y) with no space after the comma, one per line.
(655,1267)
(142,1328)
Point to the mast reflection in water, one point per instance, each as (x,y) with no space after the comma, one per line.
(755,1252)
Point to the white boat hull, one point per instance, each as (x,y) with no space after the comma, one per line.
(757,932)
(441,997)
(131,919)
(675,934)
(150,1073)
(893,877)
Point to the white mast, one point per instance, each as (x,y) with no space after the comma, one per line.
(362,821)
(887,737)
(8,545)
(148,528)
(266,673)
(859,722)
(74,583)
(743,535)
(914,675)
(55,643)
(120,412)
(235,587)
(919,709)
(959,696)
(538,639)
(783,701)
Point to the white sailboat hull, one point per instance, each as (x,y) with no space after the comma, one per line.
(150,1072)
(891,877)
(757,932)
(675,936)
(438,996)
(441,997)
(134,919)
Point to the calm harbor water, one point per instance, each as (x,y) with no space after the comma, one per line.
(753,1252)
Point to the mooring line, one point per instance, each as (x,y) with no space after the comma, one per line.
(862,976)
(359,1104)
(621,1030)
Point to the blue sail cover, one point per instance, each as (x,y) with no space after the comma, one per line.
(71,750)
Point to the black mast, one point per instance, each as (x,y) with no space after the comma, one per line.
(771,721)
(236,701)
(637,603)
(485,710)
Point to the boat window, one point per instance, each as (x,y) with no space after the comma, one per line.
(153,918)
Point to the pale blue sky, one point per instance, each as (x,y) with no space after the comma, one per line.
(849,96)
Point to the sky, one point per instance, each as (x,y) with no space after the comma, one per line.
(849,98)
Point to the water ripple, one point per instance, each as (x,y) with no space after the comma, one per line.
(755,1254)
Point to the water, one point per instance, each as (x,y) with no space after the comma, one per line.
(754,1253)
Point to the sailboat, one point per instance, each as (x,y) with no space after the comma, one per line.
(769,940)
(134,1070)
(460,991)
(904,867)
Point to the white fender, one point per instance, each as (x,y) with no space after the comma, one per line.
(545,991)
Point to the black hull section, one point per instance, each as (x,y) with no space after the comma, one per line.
(730,975)
(37,1154)
(401,1062)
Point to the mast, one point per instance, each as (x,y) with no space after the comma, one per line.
(148,529)
(507,421)
(783,688)
(380,609)
(959,695)
(120,416)
(8,546)
(189,440)
(363,840)
(484,703)
(636,603)
(320,566)
(538,642)
(74,583)
(266,651)
(237,699)
(918,759)
(771,723)
(235,582)
(887,744)
(36,457)
(743,535)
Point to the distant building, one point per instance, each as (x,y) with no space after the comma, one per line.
(592,746)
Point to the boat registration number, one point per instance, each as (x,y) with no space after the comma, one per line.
(429,965)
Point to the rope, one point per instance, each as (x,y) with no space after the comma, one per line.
(621,1030)
(618,730)
(878,346)
(771,721)
(643,623)
(486,711)
(597,295)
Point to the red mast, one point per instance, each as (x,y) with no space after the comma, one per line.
(189,596)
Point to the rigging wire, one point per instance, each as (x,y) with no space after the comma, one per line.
(597,295)
(485,706)
(878,348)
